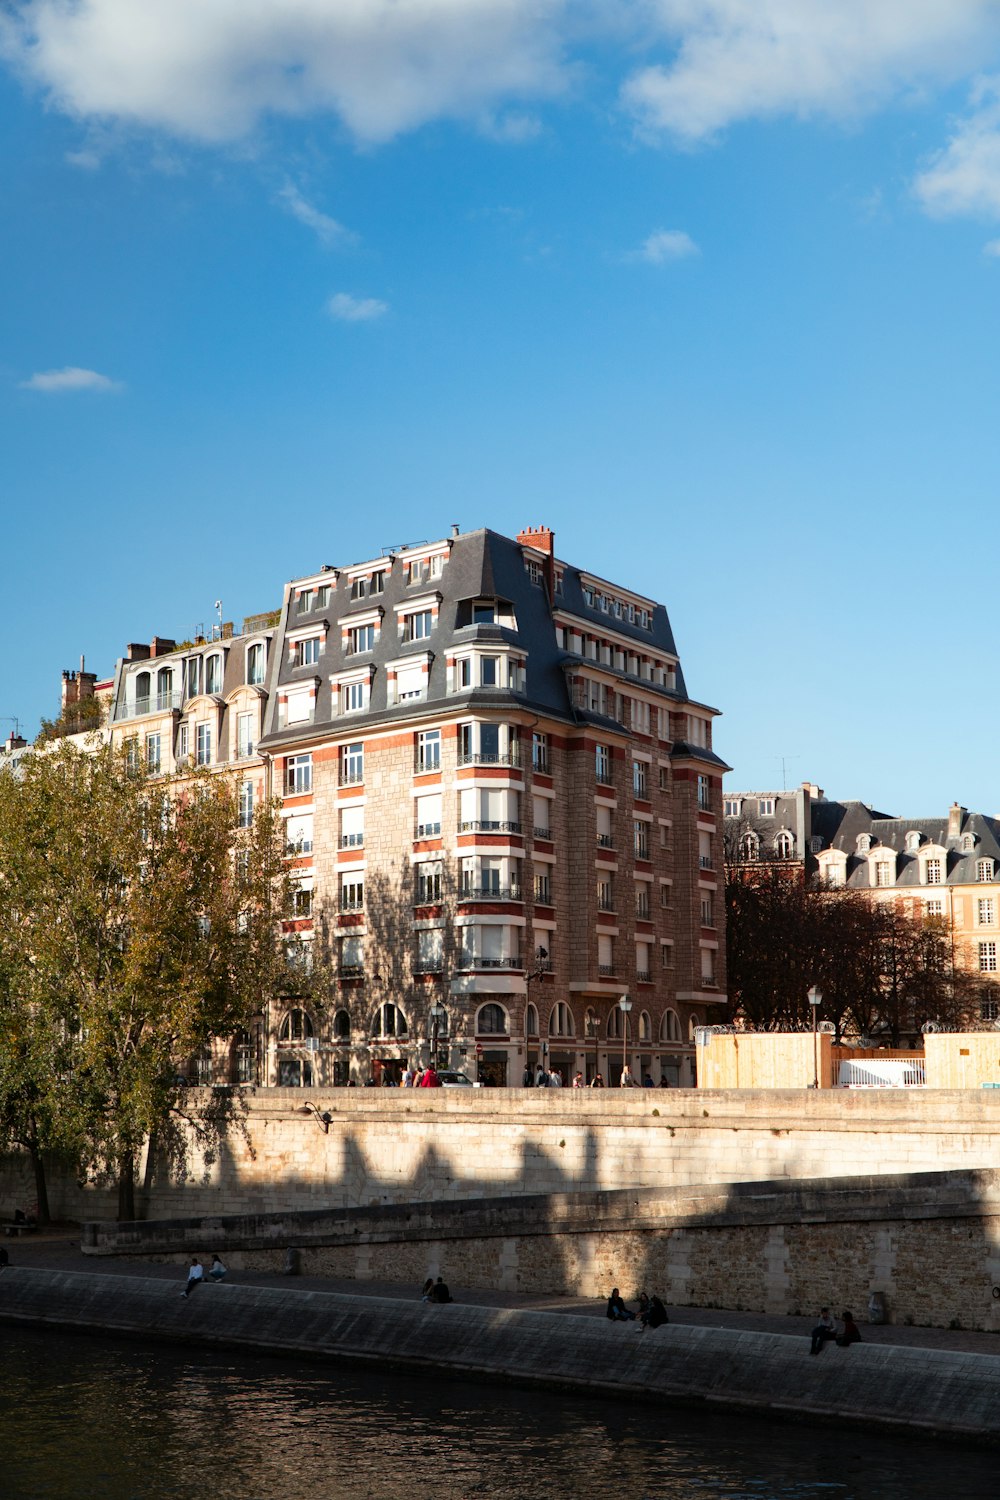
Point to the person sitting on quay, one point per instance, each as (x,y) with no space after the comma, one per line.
(824,1331)
(217,1270)
(195,1276)
(439,1292)
(850,1333)
(655,1315)
(428,1287)
(617,1311)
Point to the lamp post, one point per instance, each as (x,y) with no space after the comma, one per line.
(624,1005)
(438,1014)
(815,1001)
(593,1026)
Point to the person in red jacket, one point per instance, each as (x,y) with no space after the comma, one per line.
(430,1079)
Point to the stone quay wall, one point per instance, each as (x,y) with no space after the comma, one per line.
(386,1146)
(927,1243)
(929,1391)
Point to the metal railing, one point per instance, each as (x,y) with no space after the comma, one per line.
(352,840)
(428,830)
(477,758)
(605,841)
(480,825)
(490,893)
(644,976)
(513,961)
(351,778)
(543,833)
(352,903)
(155,703)
(606,971)
(352,971)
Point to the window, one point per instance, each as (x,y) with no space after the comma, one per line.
(298,833)
(541,817)
(203,745)
(213,674)
(488,744)
(132,753)
(255,665)
(428,812)
(491,1020)
(642,902)
(411,682)
(765,807)
(352,957)
(488,810)
(561,1020)
(641,834)
(987,958)
(323,596)
(359,588)
(361,638)
(245,804)
(533,568)
(377,583)
(984,869)
(342,1026)
(707,915)
(352,764)
(985,911)
(989,1009)
(783,845)
(298,775)
(639,771)
(606,957)
(605,837)
(883,872)
(354,697)
(153,754)
(666,955)
(932,872)
(306,653)
(602,764)
(731,807)
(643,974)
(418,626)
(165,688)
(302,901)
(304,601)
(352,827)
(708,967)
(193,676)
(463,672)
(704,793)
(605,895)
(666,890)
(352,893)
(749,847)
(934,909)
(670,1027)
(296,1027)
(244,736)
(430,951)
(183,749)
(489,669)
(429,750)
(540,752)
(389,1020)
(543,889)
(428,882)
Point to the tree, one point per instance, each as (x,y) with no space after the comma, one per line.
(141,923)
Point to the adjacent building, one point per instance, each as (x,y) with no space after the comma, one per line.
(502,812)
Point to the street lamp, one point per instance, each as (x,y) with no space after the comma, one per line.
(438,1014)
(593,1028)
(815,1001)
(624,1005)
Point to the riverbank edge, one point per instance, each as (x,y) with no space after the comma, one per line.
(931,1393)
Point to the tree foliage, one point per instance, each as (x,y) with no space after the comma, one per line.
(140,922)
(883,974)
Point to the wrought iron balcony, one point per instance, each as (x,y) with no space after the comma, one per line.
(605,841)
(352,971)
(484,825)
(155,703)
(468,961)
(543,833)
(352,903)
(478,758)
(428,830)
(490,893)
(606,971)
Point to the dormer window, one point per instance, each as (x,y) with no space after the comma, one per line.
(968,843)
(213,674)
(864,843)
(984,870)
(484,612)
(932,872)
(912,841)
(784,845)
(883,872)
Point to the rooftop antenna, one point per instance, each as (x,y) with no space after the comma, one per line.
(784,762)
(10,719)
(217,629)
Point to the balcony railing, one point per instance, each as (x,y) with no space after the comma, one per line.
(428,830)
(352,903)
(606,971)
(642,914)
(543,833)
(540,763)
(467,961)
(490,893)
(704,862)
(603,776)
(478,758)
(486,825)
(605,903)
(428,965)
(543,895)
(423,766)
(155,703)
(352,971)
(643,976)
(351,777)
(605,841)
(352,840)
(298,846)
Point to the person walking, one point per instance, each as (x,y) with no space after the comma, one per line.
(627,1081)
(430,1079)
(541,1077)
(597,1082)
(195,1276)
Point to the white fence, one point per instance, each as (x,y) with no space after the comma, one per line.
(890,1073)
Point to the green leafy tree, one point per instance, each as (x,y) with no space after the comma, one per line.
(142,925)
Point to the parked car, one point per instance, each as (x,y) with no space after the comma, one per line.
(450,1080)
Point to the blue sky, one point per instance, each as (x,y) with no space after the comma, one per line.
(710,287)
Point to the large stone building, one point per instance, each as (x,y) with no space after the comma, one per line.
(503,811)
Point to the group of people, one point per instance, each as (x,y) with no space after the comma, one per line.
(436,1291)
(826,1332)
(419,1078)
(196,1274)
(551,1078)
(651,1313)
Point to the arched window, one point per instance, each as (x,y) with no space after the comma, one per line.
(864,843)
(670,1027)
(491,1020)
(693,1025)
(142,703)
(255,665)
(213,674)
(912,841)
(241,1058)
(296,1027)
(614,1022)
(342,1027)
(749,847)
(645,1028)
(561,1020)
(783,845)
(164,688)
(389,1020)
(530,1021)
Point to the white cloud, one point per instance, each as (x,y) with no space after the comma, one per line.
(964,178)
(741,59)
(213,69)
(664,245)
(348,309)
(992,248)
(72,378)
(327,230)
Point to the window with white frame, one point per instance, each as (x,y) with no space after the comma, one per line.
(428,882)
(934,908)
(354,696)
(418,625)
(985,911)
(305,653)
(359,587)
(430,950)
(352,763)
(543,886)
(708,967)
(707,910)
(428,757)
(561,1020)
(489,946)
(489,809)
(352,891)
(213,673)
(540,751)
(255,665)
(666,895)
(602,764)
(984,870)
(298,775)
(640,832)
(666,955)
(153,754)
(361,638)
(428,815)
(352,957)
(639,774)
(603,818)
(932,872)
(643,970)
(411,682)
(704,793)
(244,736)
(193,667)
(484,743)
(883,872)
(299,834)
(352,827)
(302,901)
(765,807)
(541,812)
(784,845)
(183,747)
(463,673)
(323,596)
(605,955)
(987,958)
(245,804)
(203,744)
(299,705)
(642,900)
(305,601)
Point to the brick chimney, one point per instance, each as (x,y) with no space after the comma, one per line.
(956,817)
(137,651)
(76,686)
(542,540)
(160,646)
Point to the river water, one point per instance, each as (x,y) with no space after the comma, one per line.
(83,1418)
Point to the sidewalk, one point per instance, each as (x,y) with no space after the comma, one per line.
(58,1249)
